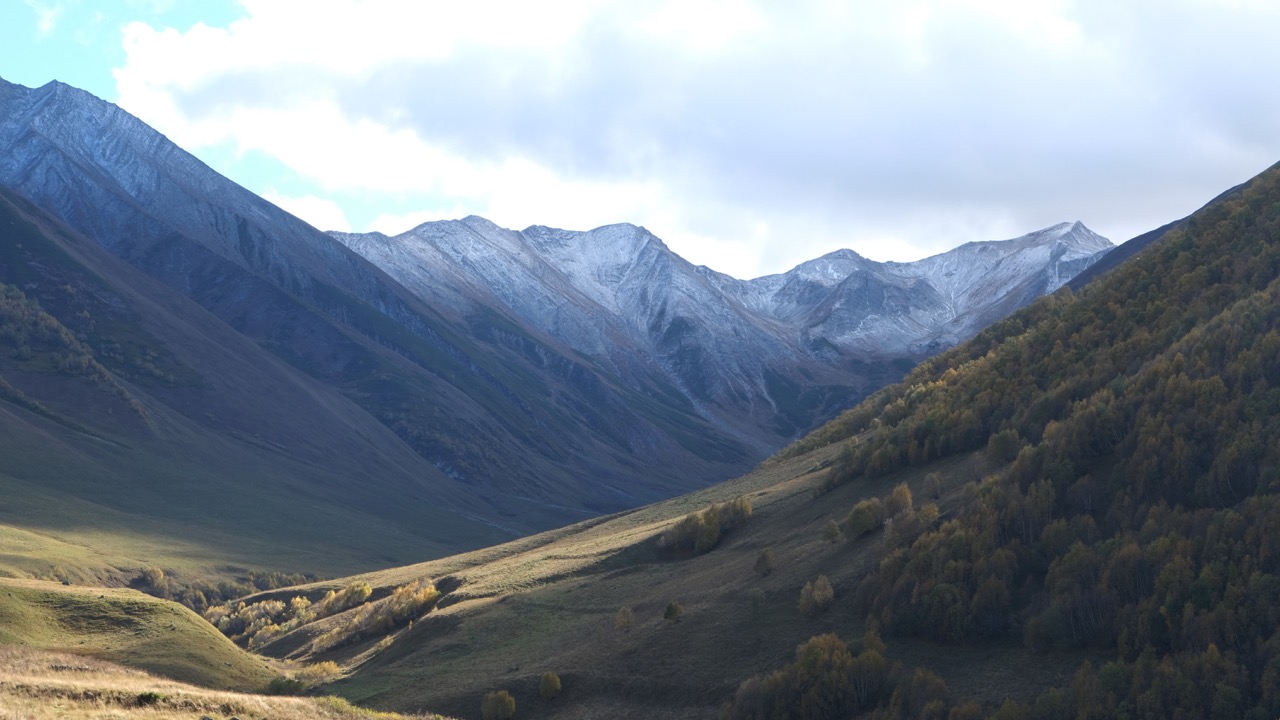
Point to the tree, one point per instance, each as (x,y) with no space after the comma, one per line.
(549,686)
(933,485)
(899,501)
(153,577)
(764,562)
(863,518)
(831,531)
(673,612)
(823,593)
(816,596)
(498,706)
(1003,446)
(624,619)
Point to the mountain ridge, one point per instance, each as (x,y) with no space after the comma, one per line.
(618,294)
(538,377)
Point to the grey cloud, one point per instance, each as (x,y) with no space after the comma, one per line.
(835,128)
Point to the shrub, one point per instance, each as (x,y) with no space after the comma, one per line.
(357,593)
(285,686)
(764,562)
(368,619)
(673,612)
(320,672)
(498,706)
(549,686)
(149,697)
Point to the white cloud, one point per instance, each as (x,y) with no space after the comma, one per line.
(321,213)
(742,132)
(47,15)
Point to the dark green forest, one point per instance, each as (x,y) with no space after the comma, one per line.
(1136,508)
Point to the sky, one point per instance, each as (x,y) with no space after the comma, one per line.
(749,136)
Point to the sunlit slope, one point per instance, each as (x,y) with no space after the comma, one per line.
(45,685)
(549,603)
(126,627)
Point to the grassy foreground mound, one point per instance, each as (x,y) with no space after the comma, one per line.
(42,685)
(127,627)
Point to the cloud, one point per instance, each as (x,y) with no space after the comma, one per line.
(47,15)
(321,213)
(741,132)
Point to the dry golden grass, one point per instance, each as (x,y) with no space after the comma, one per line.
(41,685)
(548,603)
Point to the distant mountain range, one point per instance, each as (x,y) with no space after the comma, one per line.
(508,381)
(762,356)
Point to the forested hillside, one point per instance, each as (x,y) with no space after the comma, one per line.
(1135,510)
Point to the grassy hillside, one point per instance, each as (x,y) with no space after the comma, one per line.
(43,685)
(1069,516)
(127,627)
(137,430)
(550,603)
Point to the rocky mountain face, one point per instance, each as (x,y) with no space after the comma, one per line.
(549,375)
(737,349)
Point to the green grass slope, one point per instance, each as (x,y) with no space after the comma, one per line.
(136,429)
(126,627)
(549,603)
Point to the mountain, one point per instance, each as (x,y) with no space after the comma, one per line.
(918,308)
(762,356)
(1070,515)
(535,377)
(533,432)
(138,429)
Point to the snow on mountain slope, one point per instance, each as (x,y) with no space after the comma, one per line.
(619,295)
(951,296)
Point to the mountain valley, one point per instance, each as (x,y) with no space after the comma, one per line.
(550,473)
(1091,539)
(406,398)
